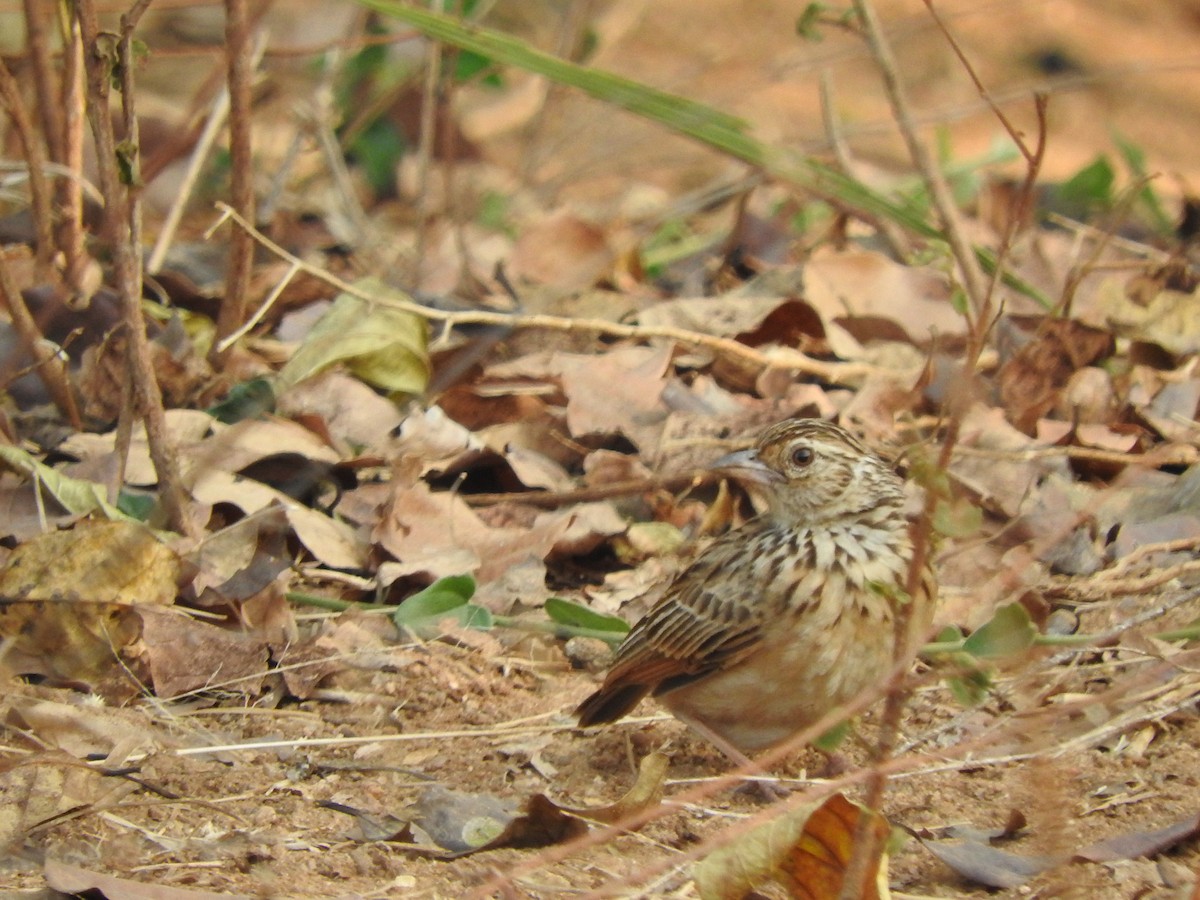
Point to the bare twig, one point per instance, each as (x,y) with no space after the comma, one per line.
(37,38)
(71,239)
(241,247)
(974,281)
(127,272)
(431,99)
(166,234)
(35,159)
(50,366)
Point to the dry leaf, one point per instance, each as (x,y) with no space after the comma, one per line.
(807,849)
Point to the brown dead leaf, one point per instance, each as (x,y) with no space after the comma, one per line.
(807,850)
(646,793)
(981,863)
(240,560)
(184,426)
(72,593)
(82,728)
(75,880)
(439,534)
(187,655)
(329,540)
(448,824)
(562,250)
(354,415)
(617,392)
(1133,844)
(847,284)
(110,562)
(1167,319)
(1050,351)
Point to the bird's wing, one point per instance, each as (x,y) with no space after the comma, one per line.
(702,624)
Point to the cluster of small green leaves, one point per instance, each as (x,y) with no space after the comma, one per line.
(426,613)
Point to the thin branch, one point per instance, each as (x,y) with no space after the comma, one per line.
(79,267)
(208,136)
(35,160)
(973,278)
(99,60)
(241,247)
(37,38)
(50,365)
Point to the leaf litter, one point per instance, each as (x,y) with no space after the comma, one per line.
(389,605)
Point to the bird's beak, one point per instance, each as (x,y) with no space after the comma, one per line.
(744,465)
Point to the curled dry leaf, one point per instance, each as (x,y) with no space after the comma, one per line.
(808,850)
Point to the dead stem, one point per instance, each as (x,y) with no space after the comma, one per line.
(241,247)
(35,161)
(50,366)
(127,270)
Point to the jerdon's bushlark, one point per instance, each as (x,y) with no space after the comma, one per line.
(793,614)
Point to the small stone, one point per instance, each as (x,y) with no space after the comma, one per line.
(589,654)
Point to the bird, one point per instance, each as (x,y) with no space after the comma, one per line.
(788,617)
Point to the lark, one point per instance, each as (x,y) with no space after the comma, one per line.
(790,616)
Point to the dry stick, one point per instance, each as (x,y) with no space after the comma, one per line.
(430,101)
(35,160)
(217,115)
(554,499)
(44,80)
(60,103)
(980,291)
(892,233)
(973,278)
(208,136)
(71,236)
(241,248)
(127,270)
(780,358)
(51,367)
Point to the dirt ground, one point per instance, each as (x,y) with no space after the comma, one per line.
(248,822)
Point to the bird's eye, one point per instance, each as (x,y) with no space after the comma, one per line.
(802,456)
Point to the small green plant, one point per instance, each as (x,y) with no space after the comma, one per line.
(1096,189)
(450,599)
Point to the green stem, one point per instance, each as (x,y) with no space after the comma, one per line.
(558,629)
(1191,633)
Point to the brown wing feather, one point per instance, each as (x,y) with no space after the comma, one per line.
(691,633)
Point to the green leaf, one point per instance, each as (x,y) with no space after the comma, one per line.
(1010,631)
(76,495)
(471,64)
(136,506)
(446,598)
(564,612)
(833,738)
(247,400)
(957,518)
(380,344)
(970,688)
(1135,159)
(377,149)
(810,19)
(969,682)
(1091,187)
(127,163)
